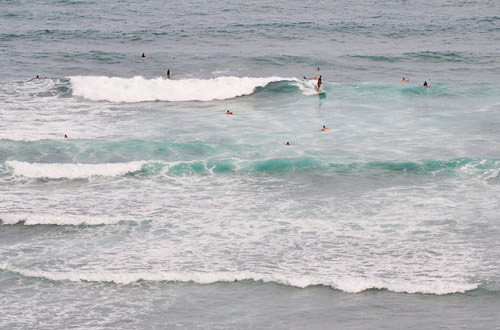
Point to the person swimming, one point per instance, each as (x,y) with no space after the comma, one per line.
(37,77)
(228,112)
(425,84)
(65,136)
(405,79)
(287,143)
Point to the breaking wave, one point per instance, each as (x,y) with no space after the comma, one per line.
(347,284)
(139,89)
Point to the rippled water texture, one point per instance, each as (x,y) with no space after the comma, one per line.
(161,210)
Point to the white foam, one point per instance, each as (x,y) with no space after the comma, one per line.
(308,86)
(71,171)
(139,89)
(58,219)
(350,285)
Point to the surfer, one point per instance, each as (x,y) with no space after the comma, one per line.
(405,79)
(37,77)
(287,143)
(143,55)
(324,128)
(65,136)
(169,73)
(319,83)
(425,84)
(228,112)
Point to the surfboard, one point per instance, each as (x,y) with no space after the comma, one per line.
(321,94)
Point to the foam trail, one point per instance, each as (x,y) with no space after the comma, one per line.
(72,171)
(350,285)
(139,89)
(58,219)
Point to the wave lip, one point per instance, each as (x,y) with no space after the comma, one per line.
(349,285)
(71,171)
(139,89)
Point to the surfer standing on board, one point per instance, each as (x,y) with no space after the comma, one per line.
(319,84)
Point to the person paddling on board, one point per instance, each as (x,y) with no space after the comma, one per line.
(324,128)
(405,79)
(228,112)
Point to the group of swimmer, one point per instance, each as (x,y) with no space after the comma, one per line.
(169,73)
(318,86)
(426,85)
(318,78)
(324,128)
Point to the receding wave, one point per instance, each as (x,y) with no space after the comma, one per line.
(483,169)
(139,89)
(347,284)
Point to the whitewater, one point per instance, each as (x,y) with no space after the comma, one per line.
(132,200)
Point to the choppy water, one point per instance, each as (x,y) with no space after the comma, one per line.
(161,211)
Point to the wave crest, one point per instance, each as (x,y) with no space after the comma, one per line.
(71,171)
(139,89)
(349,285)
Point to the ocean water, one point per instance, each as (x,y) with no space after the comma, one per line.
(160,211)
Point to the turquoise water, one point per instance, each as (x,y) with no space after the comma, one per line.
(161,211)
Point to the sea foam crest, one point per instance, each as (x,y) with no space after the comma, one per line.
(30,219)
(139,89)
(350,285)
(71,171)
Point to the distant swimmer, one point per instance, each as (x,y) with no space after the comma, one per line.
(405,79)
(169,73)
(37,77)
(319,83)
(65,136)
(425,84)
(287,143)
(324,128)
(143,55)
(228,112)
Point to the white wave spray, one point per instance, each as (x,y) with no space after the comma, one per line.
(71,171)
(349,285)
(139,89)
